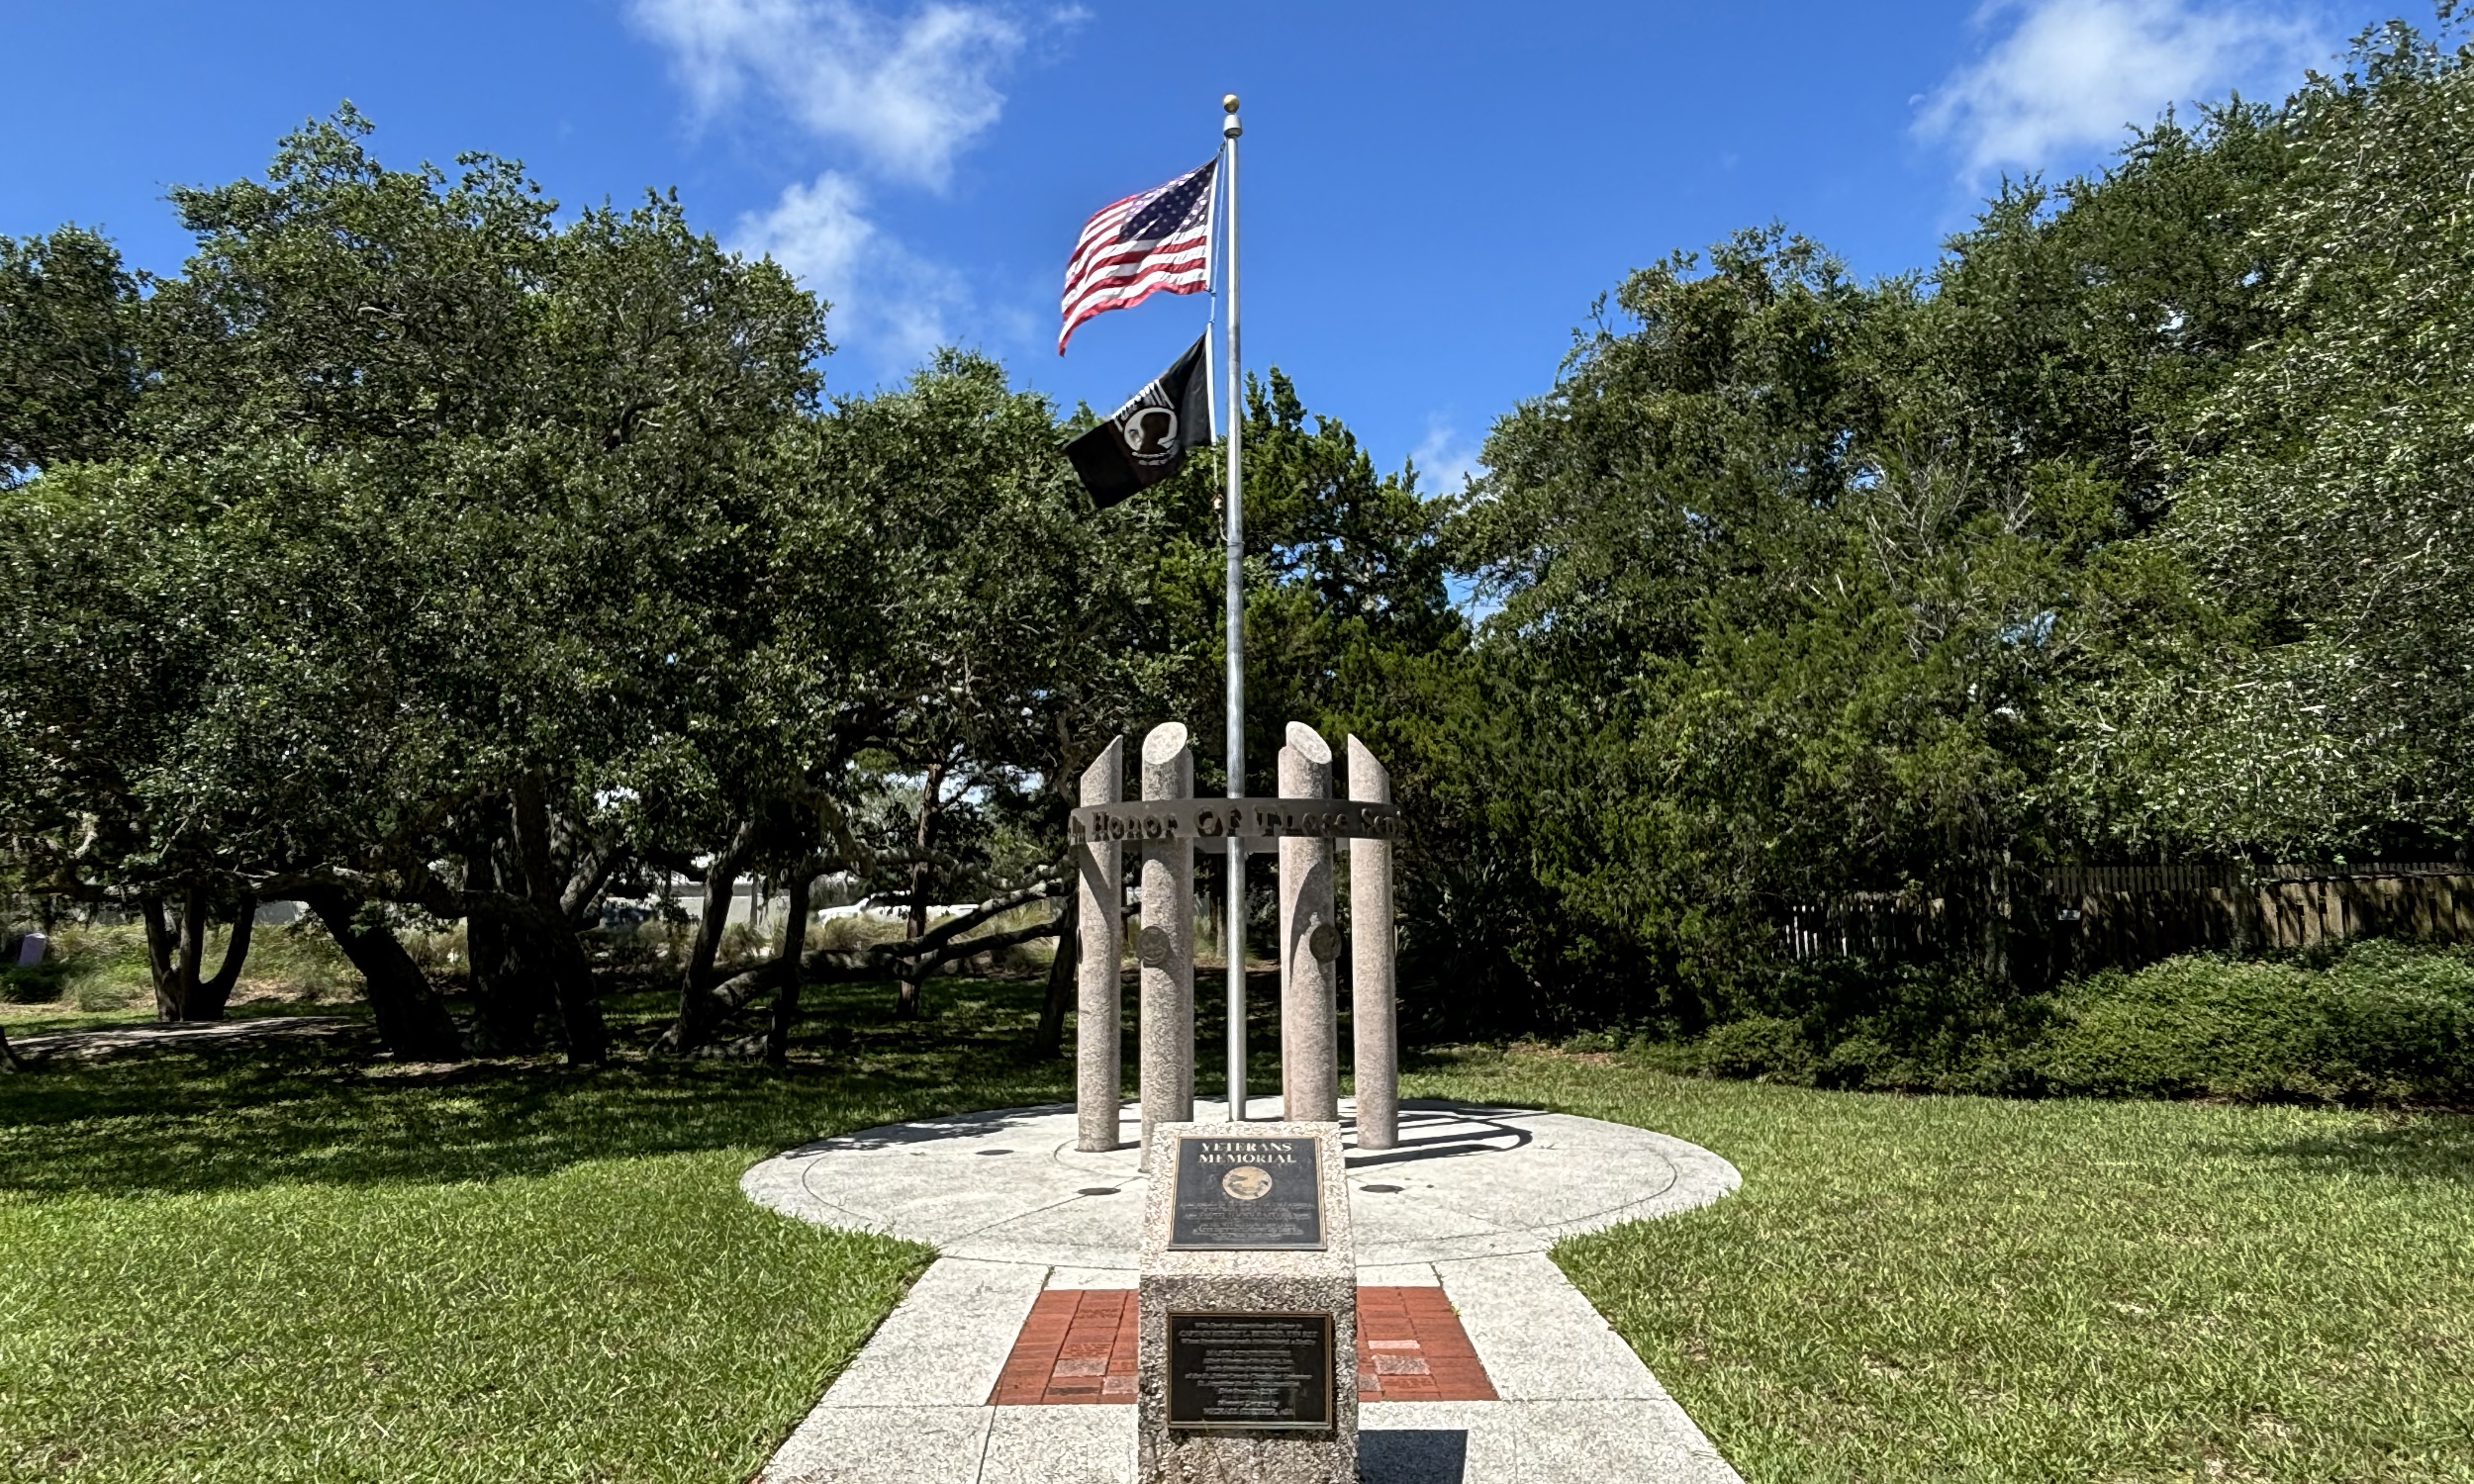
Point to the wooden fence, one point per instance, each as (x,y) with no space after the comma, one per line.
(1863,924)
(2102,917)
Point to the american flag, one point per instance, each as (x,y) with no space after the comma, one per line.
(1158,242)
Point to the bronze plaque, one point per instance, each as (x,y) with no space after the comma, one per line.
(1235,1191)
(1251,1371)
(1323,942)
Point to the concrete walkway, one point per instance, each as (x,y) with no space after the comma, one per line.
(1472,1200)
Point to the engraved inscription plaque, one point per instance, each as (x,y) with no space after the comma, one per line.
(1250,1370)
(1240,1193)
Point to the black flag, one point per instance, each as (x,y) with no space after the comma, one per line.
(1142,442)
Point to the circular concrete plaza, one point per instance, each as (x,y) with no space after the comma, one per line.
(1465,1181)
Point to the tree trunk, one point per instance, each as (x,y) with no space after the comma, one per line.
(167,1001)
(721,884)
(580,1023)
(412,1019)
(794,944)
(593,869)
(932,799)
(722,878)
(211,997)
(510,1003)
(507,1003)
(571,974)
(1049,1039)
(192,949)
(8,1059)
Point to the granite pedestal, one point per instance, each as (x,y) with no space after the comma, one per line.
(1194,1298)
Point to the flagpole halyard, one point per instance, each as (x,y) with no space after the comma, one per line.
(1234,949)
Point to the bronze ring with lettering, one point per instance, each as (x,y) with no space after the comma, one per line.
(1217,818)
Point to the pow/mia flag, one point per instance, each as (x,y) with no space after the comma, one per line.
(1142,442)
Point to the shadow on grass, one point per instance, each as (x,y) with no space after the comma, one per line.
(2418,1146)
(31,1023)
(244,1116)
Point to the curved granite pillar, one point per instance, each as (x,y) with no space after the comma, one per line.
(1309,944)
(1372,1012)
(1166,945)
(1100,989)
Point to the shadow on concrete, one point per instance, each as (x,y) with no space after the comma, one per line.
(1413,1456)
(1432,1130)
(973,1125)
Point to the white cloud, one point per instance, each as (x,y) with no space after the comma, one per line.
(1445,460)
(908,93)
(818,232)
(2070,75)
(887,299)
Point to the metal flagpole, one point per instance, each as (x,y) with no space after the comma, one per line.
(1234,950)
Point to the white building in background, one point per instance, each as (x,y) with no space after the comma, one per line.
(839,890)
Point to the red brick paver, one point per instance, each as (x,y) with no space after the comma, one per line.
(1077,1345)
(1411,1349)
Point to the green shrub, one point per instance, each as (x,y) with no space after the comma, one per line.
(36,983)
(99,993)
(1864,1061)
(633,946)
(1760,1048)
(300,957)
(2383,1022)
(854,930)
(2372,1022)
(103,967)
(742,944)
(438,950)
(1914,1027)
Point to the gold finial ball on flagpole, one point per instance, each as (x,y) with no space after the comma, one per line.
(1228,101)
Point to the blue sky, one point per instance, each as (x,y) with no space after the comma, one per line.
(1433,193)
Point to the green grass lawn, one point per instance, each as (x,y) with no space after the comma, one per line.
(1965,1288)
(291,1264)
(279,1263)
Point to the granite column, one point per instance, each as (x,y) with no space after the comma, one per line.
(1166,945)
(1372,1012)
(1100,988)
(1309,944)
